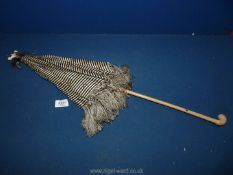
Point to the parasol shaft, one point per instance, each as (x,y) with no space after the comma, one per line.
(221,117)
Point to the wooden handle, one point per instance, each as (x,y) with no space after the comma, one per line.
(221,117)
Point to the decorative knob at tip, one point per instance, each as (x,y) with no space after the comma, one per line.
(13,55)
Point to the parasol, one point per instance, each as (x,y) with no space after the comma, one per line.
(99,88)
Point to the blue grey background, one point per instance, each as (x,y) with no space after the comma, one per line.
(153,37)
(191,71)
(117,16)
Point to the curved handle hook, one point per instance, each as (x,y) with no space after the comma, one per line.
(222,119)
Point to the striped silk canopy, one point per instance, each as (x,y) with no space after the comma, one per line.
(95,86)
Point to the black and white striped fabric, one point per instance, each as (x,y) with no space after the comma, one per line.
(75,77)
(93,85)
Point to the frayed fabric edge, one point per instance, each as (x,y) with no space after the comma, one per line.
(105,102)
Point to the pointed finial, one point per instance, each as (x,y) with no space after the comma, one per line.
(13,55)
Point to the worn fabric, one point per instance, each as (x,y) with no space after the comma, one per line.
(95,86)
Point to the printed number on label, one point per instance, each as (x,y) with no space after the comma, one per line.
(61,103)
